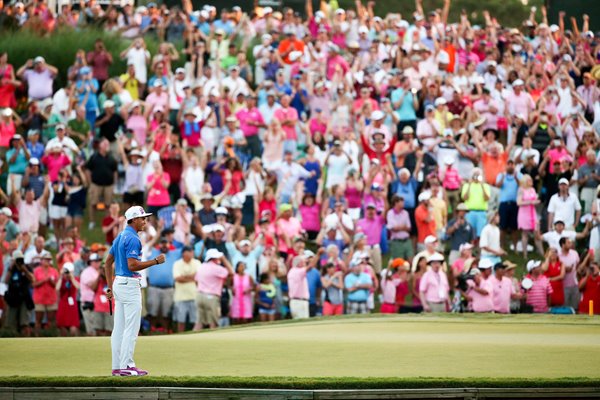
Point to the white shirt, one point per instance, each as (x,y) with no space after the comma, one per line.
(268,111)
(337,168)
(333,219)
(553,237)
(564,208)
(68,144)
(490,237)
(138,57)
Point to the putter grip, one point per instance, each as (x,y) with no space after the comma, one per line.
(110,306)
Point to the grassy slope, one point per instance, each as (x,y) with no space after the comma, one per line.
(391,351)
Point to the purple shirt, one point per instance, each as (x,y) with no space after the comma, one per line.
(372,229)
(39,83)
(395,219)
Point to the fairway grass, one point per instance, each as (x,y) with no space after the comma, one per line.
(379,351)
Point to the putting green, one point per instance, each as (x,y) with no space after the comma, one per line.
(378,346)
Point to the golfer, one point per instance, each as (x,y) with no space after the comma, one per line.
(125,254)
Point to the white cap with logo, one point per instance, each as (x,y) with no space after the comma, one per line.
(136,212)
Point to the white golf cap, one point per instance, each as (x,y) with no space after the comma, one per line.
(554,28)
(340,11)
(39,59)
(518,82)
(308,254)
(363,29)
(211,254)
(6,211)
(136,212)
(465,246)
(68,267)
(245,242)
(486,263)
(267,10)
(430,239)
(440,101)
(218,228)
(563,181)
(377,115)
(449,160)
(424,196)
(435,257)
(94,257)
(531,264)
(180,71)
(443,57)
(109,104)
(221,210)
(34,161)
(7,112)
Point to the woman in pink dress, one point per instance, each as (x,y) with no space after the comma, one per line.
(241,306)
(527,221)
(137,122)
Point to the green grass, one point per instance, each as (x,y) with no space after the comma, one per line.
(384,351)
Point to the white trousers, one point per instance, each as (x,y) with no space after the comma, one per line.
(127,316)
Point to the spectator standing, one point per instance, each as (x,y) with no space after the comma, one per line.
(67,314)
(243,286)
(564,206)
(554,270)
(44,293)
(184,295)
(538,296)
(569,258)
(101,170)
(39,77)
(210,278)
(298,288)
(161,285)
(358,284)
(503,290)
(18,279)
(399,226)
(434,287)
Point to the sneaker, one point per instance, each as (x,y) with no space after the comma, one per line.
(116,372)
(133,371)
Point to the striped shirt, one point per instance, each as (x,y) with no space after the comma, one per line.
(537,296)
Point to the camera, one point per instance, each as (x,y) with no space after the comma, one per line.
(463,281)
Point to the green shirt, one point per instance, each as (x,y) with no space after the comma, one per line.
(476,200)
(79,128)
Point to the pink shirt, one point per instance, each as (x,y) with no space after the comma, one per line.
(557,154)
(245,116)
(139,126)
(311,220)
(435,286)
(29,216)
(481,302)
(55,164)
(297,283)
(571,259)
(158,195)
(156,100)
(501,292)
(537,296)
(451,179)
(88,276)
(372,229)
(290,228)
(289,113)
(521,104)
(388,288)
(210,278)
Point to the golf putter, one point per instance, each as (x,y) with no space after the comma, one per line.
(110,306)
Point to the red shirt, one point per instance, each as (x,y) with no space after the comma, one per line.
(110,235)
(45,294)
(424,228)
(590,292)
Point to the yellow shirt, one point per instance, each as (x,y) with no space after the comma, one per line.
(439,212)
(185,291)
(476,201)
(439,117)
(131,85)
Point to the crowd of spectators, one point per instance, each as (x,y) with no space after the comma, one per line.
(301,165)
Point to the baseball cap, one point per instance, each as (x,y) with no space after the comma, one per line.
(559,221)
(60,126)
(68,267)
(85,70)
(34,161)
(212,254)
(7,112)
(181,202)
(430,239)
(221,211)
(377,115)
(245,242)
(6,211)
(180,71)
(39,59)
(400,262)
(218,228)
(94,257)
(563,181)
(465,246)
(486,263)
(285,207)
(435,257)
(109,104)
(440,101)
(449,160)
(424,196)
(136,212)
(518,82)
(532,264)
(461,207)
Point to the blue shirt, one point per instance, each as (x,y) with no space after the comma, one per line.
(162,275)
(126,245)
(407,191)
(251,259)
(20,163)
(360,295)
(406,112)
(509,188)
(36,150)
(314,283)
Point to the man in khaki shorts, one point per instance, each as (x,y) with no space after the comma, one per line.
(101,169)
(210,279)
